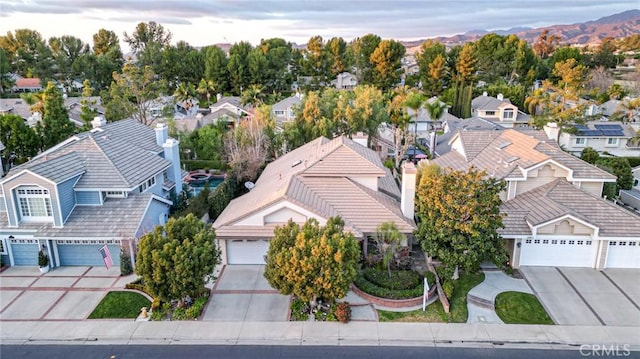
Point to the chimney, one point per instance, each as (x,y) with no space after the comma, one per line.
(98,121)
(500,97)
(218,96)
(172,154)
(408,195)
(360,138)
(552,130)
(484,93)
(162,133)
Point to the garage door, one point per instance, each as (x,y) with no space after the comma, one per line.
(558,253)
(73,254)
(623,254)
(25,252)
(246,251)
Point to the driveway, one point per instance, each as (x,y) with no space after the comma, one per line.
(585,296)
(241,293)
(65,293)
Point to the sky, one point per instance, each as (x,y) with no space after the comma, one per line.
(206,22)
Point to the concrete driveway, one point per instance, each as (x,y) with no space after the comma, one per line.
(65,293)
(584,296)
(241,293)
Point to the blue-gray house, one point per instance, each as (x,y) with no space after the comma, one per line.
(107,186)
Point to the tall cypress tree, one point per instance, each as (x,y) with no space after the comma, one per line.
(55,125)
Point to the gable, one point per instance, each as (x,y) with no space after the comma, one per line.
(566,226)
(279,212)
(283,215)
(549,170)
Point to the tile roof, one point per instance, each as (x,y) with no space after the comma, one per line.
(500,153)
(454,124)
(489,103)
(28,83)
(120,154)
(314,177)
(559,198)
(286,103)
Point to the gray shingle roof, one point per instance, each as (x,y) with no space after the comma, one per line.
(60,168)
(559,198)
(119,155)
(286,103)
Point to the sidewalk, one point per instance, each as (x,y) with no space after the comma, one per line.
(481,298)
(315,333)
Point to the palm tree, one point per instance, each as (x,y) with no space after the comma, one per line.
(414,101)
(253,95)
(185,93)
(206,87)
(435,109)
(630,106)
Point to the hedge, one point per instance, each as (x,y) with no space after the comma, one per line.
(378,291)
(192,165)
(399,280)
(220,197)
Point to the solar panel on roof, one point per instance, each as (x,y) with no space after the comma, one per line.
(581,127)
(590,133)
(609,127)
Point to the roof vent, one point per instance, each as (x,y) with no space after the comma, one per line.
(296,163)
(249,185)
(512,159)
(503,145)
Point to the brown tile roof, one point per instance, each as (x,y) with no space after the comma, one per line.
(315,177)
(559,198)
(506,153)
(28,83)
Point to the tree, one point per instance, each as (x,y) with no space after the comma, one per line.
(21,141)
(619,167)
(131,94)
(316,64)
(414,102)
(6,81)
(184,93)
(545,45)
(361,50)
(388,240)
(465,68)
(238,66)
(336,49)
(253,95)
(208,142)
(55,125)
(399,120)
(459,217)
(312,262)
(590,155)
(106,42)
(386,63)
(216,67)
(88,111)
(247,147)
(206,87)
(147,34)
(28,53)
(177,259)
(66,50)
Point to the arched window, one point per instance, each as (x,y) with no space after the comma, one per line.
(34,204)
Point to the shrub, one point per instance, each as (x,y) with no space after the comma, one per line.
(43,259)
(137,285)
(448,288)
(343,312)
(399,280)
(381,292)
(194,311)
(192,165)
(155,304)
(125,263)
(220,197)
(299,309)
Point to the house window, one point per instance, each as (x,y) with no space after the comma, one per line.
(572,242)
(35,204)
(612,141)
(562,241)
(545,241)
(528,241)
(489,113)
(589,243)
(632,244)
(554,241)
(537,241)
(147,184)
(279,113)
(581,141)
(623,243)
(613,243)
(3,248)
(115,194)
(507,114)
(580,243)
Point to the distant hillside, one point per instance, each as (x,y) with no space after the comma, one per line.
(618,25)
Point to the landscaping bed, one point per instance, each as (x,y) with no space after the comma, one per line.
(402,284)
(184,309)
(520,308)
(121,304)
(325,312)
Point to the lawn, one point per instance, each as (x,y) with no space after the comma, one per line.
(120,305)
(435,313)
(521,308)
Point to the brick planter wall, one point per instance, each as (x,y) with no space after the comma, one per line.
(393,303)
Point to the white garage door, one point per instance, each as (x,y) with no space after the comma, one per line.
(246,251)
(623,254)
(557,253)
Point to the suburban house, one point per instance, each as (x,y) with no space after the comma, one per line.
(17,106)
(499,110)
(425,124)
(603,136)
(228,108)
(345,81)
(74,107)
(322,179)
(284,111)
(630,197)
(554,213)
(107,186)
(27,85)
(439,144)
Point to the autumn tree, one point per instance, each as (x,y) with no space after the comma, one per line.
(459,217)
(336,49)
(177,259)
(386,64)
(55,125)
(465,69)
(311,261)
(361,50)
(131,93)
(546,44)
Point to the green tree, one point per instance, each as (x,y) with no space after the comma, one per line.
(28,53)
(276,75)
(619,167)
(18,138)
(361,50)
(459,217)
(238,66)
(208,141)
(312,262)
(6,81)
(336,49)
(147,34)
(65,51)
(414,102)
(386,63)
(185,93)
(131,93)
(216,67)
(388,240)
(106,42)
(465,69)
(55,125)
(206,87)
(590,155)
(399,120)
(177,259)
(88,111)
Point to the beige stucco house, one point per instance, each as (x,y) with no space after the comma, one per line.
(322,179)
(554,213)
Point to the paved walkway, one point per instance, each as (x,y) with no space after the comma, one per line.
(481,298)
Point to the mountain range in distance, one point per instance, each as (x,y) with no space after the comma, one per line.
(591,32)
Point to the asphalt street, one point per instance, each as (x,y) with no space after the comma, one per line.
(307,352)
